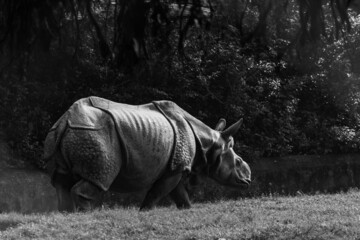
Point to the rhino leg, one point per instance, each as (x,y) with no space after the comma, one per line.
(180,196)
(63,184)
(161,188)
(85,195)
(65,203)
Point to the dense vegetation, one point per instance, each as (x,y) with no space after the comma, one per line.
(289,68)
(303,217)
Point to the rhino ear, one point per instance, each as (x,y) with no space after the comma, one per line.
(221,125)
(232,130)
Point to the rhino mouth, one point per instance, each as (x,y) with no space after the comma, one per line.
(243,182)
(235,180)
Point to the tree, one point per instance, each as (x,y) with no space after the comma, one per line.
(29,25)
(263,60)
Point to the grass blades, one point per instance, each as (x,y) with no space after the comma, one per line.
(303,217)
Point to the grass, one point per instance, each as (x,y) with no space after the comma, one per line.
(303,217)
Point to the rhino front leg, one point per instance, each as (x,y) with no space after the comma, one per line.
(85,195)
(161,188)
(180,196)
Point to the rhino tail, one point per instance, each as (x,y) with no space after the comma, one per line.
(54,136)
(51,145)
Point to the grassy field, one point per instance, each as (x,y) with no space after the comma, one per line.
(302,217)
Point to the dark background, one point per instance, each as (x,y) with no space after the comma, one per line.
(290,68)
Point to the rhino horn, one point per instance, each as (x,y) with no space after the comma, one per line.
(232,130)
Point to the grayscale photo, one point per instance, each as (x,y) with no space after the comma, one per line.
(180,119)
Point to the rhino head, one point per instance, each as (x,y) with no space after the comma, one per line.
(225,166)
(218,159)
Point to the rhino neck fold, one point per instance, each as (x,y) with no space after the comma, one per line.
(184,140)
(205,137)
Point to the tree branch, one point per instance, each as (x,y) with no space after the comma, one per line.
(103,45)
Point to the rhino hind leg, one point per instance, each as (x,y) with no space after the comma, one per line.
(180,196)
(65,203)
(161,188)
(85,195)
(63,183)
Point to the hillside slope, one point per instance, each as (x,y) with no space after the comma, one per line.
(303,217)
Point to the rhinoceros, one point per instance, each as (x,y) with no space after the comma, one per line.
(99,145)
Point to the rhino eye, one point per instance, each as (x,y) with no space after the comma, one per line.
(223,146)
(238,163)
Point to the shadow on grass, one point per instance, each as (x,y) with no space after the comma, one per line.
(5,224)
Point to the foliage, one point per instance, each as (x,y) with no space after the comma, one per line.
(256,61)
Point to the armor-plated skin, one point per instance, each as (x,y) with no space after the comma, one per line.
(99,145)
